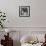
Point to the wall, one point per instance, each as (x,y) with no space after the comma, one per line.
(37,15)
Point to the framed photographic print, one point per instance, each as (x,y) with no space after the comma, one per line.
(24,11)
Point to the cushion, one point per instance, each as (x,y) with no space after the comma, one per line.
(26,39)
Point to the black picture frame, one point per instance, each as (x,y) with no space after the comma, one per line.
(24,11)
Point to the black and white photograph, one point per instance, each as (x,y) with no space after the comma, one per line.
(24,11)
